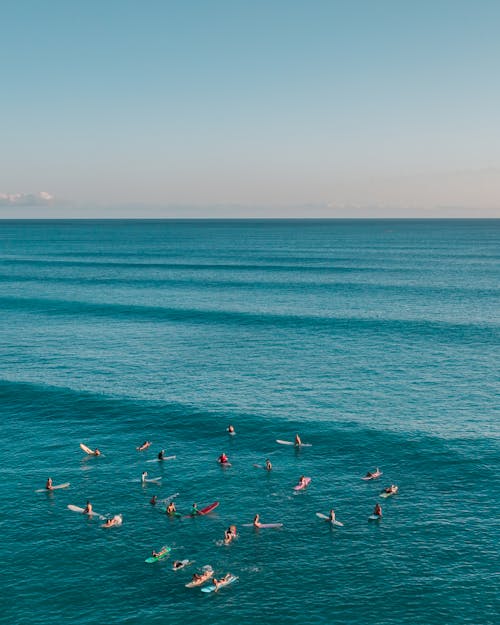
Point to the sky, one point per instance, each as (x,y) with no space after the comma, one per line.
(256,108)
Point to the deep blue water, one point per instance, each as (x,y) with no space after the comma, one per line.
(377,341)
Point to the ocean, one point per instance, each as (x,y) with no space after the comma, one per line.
(376,341)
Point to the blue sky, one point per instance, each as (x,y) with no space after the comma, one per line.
(265,108)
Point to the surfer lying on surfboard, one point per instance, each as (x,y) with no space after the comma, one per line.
(222,581)
(144,446)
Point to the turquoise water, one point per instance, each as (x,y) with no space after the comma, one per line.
(377,341)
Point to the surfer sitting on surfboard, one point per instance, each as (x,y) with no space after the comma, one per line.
(48,485)
(378,510)
(171,508)
(331,515)
(153,500)
(223,459)
(88,508)
(269,466)
(302,481)
(297,442)
(230,429)
(256,521)
(161,455)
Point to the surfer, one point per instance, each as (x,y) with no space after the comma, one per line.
(153,500)
(171,508)
(269,466)
(178,564)
(297,442)
(223,459)
(114,521)
(231,430)
(373,473)
(88,508)
(157,554)
(256,521)
(48,485)
(144,446)
(144,476)
(230,534)
(194,509)
(378,510)
(302,481)
(222,580)
(97,452)
(198,578)
(331,515)
(392,489)
(161,455)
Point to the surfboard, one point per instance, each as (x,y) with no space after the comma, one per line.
(292,443)
(153,480)
(161,557)
(207,570)
(307,481)
(374,476)
(327,518)
(49,490)
(118,520)
(224,464)
(374,517)
(87,450)
(81,511)
(203,511)
(212,588)
(385,495)
(162,459)
(263,525)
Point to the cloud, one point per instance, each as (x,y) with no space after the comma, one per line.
(41,198)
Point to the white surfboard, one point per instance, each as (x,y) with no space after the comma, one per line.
(49,490)
(374,517)
(327,518)
(162,459)
(81,511)
(292,443)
